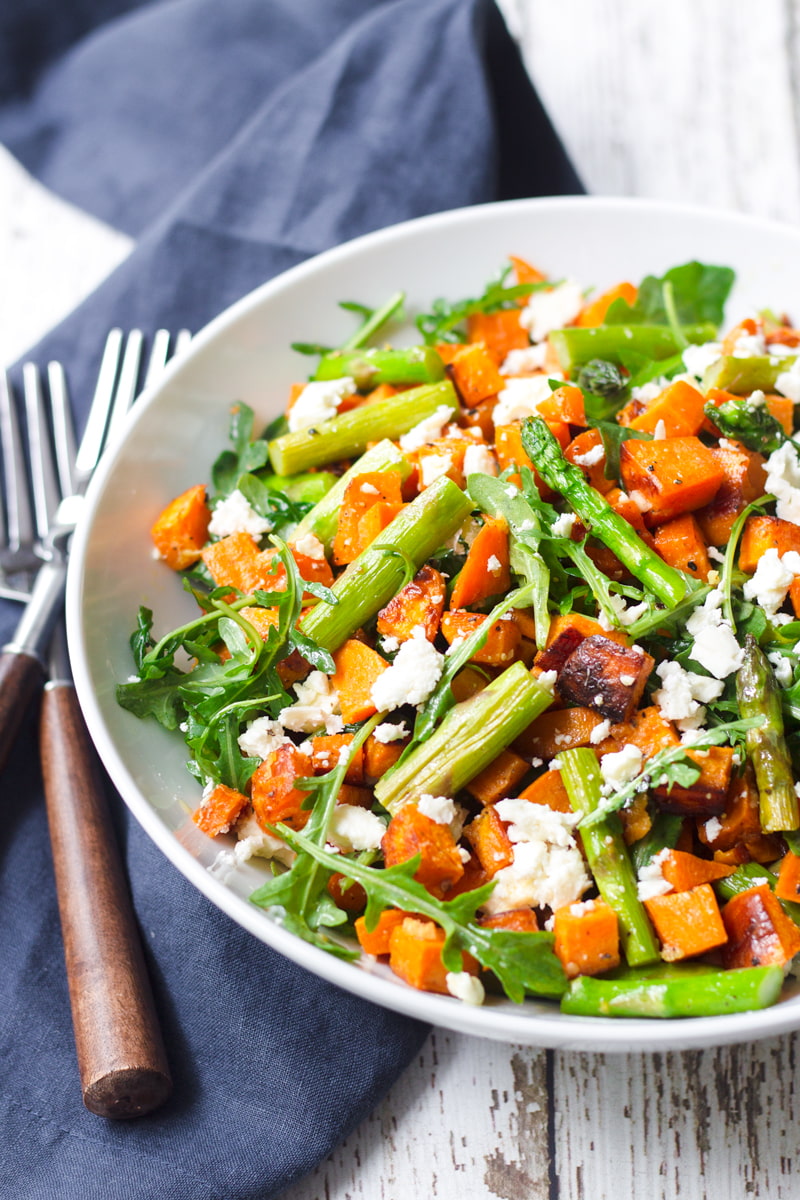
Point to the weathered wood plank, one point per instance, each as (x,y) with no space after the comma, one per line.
(468,1119)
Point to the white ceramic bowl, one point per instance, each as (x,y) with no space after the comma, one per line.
(178,428)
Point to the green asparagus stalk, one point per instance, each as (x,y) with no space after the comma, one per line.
(323,518)
(750,875)
(347,435)
(380,571)
(665,582)
(708,995)
(745,375)
(758,696)
(470,736)
(309,487)
(608,856)
(419,364)
(576,346)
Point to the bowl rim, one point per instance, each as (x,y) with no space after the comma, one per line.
(553,1030)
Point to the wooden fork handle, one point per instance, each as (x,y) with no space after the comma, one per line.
(21,678)
(123,1067)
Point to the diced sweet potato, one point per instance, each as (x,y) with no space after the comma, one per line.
(375,520)
(325,752)
(443,456)
(557,730)
(361,493)
(744,480)
(586,938)
(420,602)
(679,407)
(588,444)
(621,503)
(376,941)
(557,651)
(467,682)
(486,570)
(488,838)
(671,476)
(409,833)
(602,675)
(635,818)
(219,810)
(686,871)
(346,893)
(474,373)
(272,792)
(180,532)
(234,561)
(585,625)
(548,789)
(766,533)
(500,645)
(710,793)
(415,954)
(788,885)
(681,544)
(565,404)
(511,454)
(594,313)
(379,757)
(499,779)
(358,666)
(519,920)
(759,932)
(481,417)
(687,923)
(648,730)
(500,332)
(351,793)
(740,820)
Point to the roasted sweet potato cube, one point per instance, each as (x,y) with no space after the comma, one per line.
(621,503)
(788,885)
(420,602)
(361,493)
(346,893)
(358,667)
(681,544)
(272,788)
(759,932)
(379,757)
(636,819)
(557,730)
(687,923)
(679,406)
(519,920)
(646,729)
(594,313)
(474,372)
(409,833)
(233,561)
(499,332)
(548,789)
(486,571)
(585,625)
(325,752)
(565,404)
(219,810)
(556,653)
(488,838)
(744,479)
(586,938)
(467,682)
(375,520)
(584,452)
(606,677)
(740,820)
(766,533)
(709,794)
(686,871)
(180,532)
(501,644)
(376,941)
(415,954)
(480,417)
(670,476)
(442,456)
(499,779)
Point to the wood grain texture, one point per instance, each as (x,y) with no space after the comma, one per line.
(121,1057)
(21,677)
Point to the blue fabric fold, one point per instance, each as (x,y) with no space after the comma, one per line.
(233,140)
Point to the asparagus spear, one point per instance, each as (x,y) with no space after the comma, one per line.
(576,346)
(665,582)
(349,434)
(758,696)
(309,487)
(380,571)
(470,736)
(323,518)
(608,857)
(705,995)
(744,375)
(419,364)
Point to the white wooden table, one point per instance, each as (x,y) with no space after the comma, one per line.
(695,100)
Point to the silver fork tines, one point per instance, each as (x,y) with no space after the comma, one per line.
(18,560)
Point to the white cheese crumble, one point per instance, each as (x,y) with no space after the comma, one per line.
(493,565)
(562,526)
(479,460)
(782,667)
(412,676)
(465,987)
(235,515)
(355,828)
(651,881)
(648,391)
(551,309)
(387,732)
(713,828)
(261,737)
(715,646)
(697,359)
(620,766)
(389,643)
(432,467)
(317,706)
(772,579)
(427,430)
(520,398)
(254,842)
(750,345)
(525,360)
(319,401)
(683,692)
(548,867)
(600,732)
(591,458)
(581,908)
(440,809)
(783,478)
(660,431)
(310,545)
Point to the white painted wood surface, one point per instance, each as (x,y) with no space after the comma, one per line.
(694,100)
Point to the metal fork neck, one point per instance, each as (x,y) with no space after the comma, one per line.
(32,635)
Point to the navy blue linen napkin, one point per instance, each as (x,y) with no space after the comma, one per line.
(233,140)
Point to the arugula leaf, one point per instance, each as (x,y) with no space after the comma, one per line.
(140,640)
(698,291)
(443,323)
(268,502)
(246,455)
(613,435)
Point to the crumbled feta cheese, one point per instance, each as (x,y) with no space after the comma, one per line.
(137,679)
(715,555)
(389,643)
(772,579)
(600,733)
(591,458)
(712,828)
(782,667)
(493,565)
(783,477)
(310,545)
(749,345)
(479,460)
(525,360)
(581,908)
(432,467)
(788,382)
(562,526)
(464,854)
(520,398)
(648,391)
(369,489)
(317,705)
(465,987)
(412,676)
(261,737)
(548,867)
(387,732)
(355,828)
(697,359)
(660,431)
(682,692)
(756,399)
(547,680)
(551,309)
(651,881)
(715,646)
(235,515)
(319,401)
(512,490)
(621,766)
(427,430)
(254,842)
(440,809)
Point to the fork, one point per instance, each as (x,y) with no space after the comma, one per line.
(121,1057)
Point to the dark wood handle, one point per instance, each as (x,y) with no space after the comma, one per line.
(21,677)
(121,1057)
